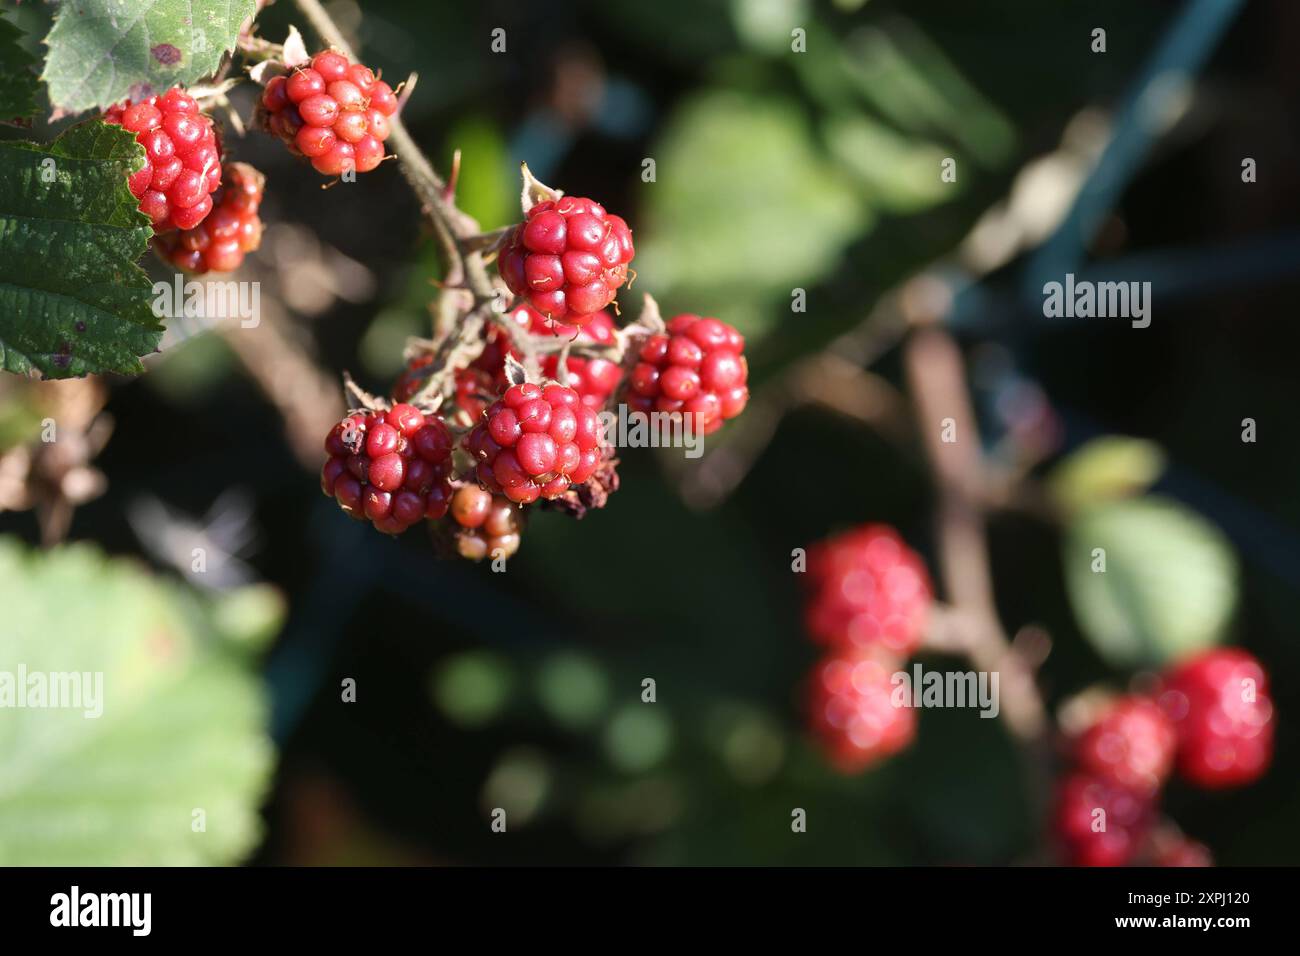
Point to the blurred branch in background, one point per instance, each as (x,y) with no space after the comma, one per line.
(946,420)
(50,432)
(1158,98)
(306,396)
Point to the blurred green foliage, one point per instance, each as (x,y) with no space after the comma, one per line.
(180,728)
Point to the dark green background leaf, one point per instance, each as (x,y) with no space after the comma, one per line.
(72,299)
(18,83)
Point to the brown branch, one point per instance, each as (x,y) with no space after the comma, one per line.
(823,379)
(307,399)
(937,378)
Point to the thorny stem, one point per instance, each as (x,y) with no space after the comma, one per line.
(464,247)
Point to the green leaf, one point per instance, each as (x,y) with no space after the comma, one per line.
(102,51)
(180,726)
(744,204)
(72,299)
(901,175)
(18,83)
(1113,466)
(1169,585)
(249,616)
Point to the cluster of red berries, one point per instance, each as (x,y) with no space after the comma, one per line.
(529,442)
(568,258)
(482,524)
(182,158)
(698,369)
(536,441)
(389,467)
(869,601)
(219,243)
(333,111)
(1211,719)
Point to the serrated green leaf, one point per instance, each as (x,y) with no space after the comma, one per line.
(101,51)
(1169,585)
(18,83)
(72,299)
(1113,466)
(180,726)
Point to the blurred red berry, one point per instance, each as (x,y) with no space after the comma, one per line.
(868,589)
(1099,823)
(1220,707)
(1131,745)
(852,710)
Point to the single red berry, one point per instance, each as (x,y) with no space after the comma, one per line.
(535,442)
(567,259)
(854,711)
(867,589)
(391,468)
(332,111)
(1099,823)
(182,158)
(1220,707)
(383,98)
(1131,745)
(697,368)
(330,65)
(220,241)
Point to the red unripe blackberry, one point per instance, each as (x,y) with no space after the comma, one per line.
(697,368)
(534,442)
(485,525)
(1220,707)
(331,111)
(390,468)
(218,244)
(867,589)
(568,258)
(1131,745)
(182,158)
(1099,823)
(852,709)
